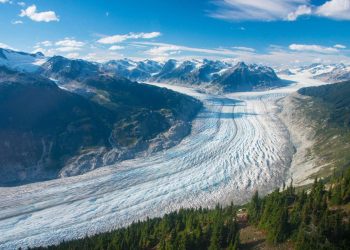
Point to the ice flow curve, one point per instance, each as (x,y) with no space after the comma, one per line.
(237,145)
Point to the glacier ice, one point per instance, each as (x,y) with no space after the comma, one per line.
(237,145)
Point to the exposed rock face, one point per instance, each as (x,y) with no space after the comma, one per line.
(63,69)
(244,77)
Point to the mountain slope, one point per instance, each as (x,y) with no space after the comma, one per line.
(330,73)
(48,132)
(244,77)
(240,77)
(42,126)
(336,99)
(138,71)
(21,61)
(319,122)
(64,69)
(337,74)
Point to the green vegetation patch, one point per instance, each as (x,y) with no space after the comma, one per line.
(328,107)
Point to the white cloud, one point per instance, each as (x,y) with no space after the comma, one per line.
(102,56)
(162,49)
(73,55)
(4,1)
(295,54)
(282,57)
(272,10)
(43,44)
(46,43)
(67,49)
(300,11)
(313,48)
(268,10)
(46,16)
(21,4)
(64,44)
(339,46)
(5,46)
(67,45)
(70,43)
(116,47)
(335,9)
(17,22)
(244,48)
(166,50)
(148,35)
(120,38)
(39,49)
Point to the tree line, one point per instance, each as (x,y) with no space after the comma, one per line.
(313,219)
(185,229)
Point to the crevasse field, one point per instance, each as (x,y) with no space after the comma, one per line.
(237,145)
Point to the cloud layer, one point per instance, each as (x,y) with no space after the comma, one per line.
(335,9)
(273,10)
(5,46)
(32,13)
(314,48)
(67,45)
(121,38)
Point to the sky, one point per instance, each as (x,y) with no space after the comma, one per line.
(273,32)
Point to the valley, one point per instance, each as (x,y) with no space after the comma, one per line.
(175,125)
(237,145)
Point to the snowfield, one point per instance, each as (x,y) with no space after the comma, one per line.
(237,145)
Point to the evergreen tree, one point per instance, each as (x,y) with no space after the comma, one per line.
(254,208)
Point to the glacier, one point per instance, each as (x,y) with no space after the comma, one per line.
(237,145)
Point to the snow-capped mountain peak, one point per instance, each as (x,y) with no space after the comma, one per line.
(21,61)
(327,72)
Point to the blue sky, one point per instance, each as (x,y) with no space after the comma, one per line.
(261,31)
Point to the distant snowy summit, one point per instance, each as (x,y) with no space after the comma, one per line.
(330,73)
(223,75)
(227,76)
(20,60)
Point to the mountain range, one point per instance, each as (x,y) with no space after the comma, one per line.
(49,131)
(226,76)
(223,75)
(331,73)
(63,117)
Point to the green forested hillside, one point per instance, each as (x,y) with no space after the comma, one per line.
(335,98)
(327,108)
(44,127)
(185,229)
(313,219)
(316,219)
